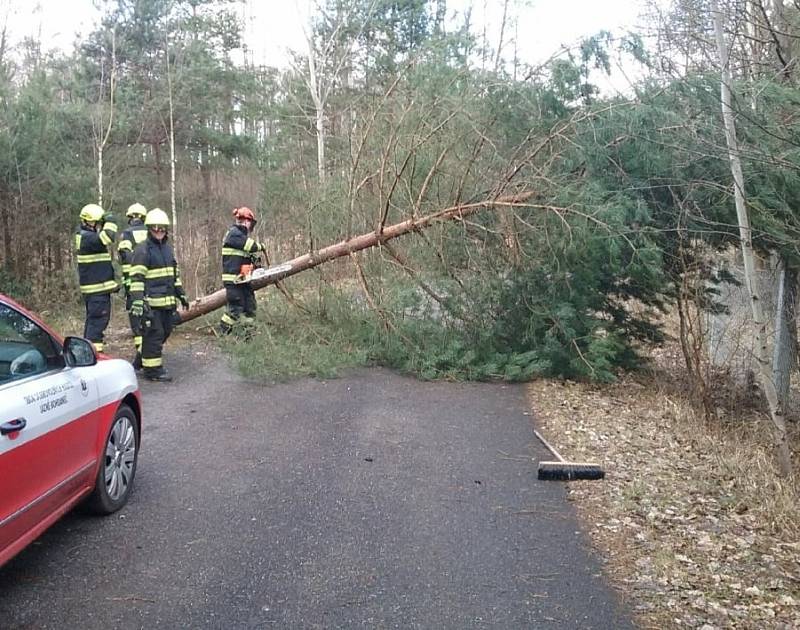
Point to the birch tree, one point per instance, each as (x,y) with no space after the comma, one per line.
(765,375)
(171,135)
(327,57)
(103,131)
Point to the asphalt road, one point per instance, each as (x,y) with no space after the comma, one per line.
(372,500)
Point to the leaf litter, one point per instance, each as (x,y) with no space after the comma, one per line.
(696,528)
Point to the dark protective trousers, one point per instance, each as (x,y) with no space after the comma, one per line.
(241,306)
(98,314)
(156,327)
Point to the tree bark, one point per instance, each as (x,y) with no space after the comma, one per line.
(783,355)
(498,58)
(102,141)
(765,376)
(209,303)
(6,203)
(171,141)
(319,110)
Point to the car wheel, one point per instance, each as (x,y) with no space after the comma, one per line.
(118,464)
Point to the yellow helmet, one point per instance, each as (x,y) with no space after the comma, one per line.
(136,210)
(91,212)
(156,217)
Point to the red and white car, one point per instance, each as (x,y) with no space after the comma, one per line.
(70,423)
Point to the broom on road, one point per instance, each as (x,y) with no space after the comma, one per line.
(566,471)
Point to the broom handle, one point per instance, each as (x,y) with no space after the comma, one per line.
(547,444)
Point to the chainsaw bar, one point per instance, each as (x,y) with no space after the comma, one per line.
(261,272)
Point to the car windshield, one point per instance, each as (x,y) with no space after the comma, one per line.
(26,349)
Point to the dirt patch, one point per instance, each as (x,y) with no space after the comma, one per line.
(697,529)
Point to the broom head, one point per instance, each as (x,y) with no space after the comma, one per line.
(569,471)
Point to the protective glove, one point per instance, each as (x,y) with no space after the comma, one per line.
(184,302)
(109,218)
(137,308)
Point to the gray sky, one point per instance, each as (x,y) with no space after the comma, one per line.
(272,26)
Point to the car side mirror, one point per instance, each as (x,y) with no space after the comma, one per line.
(79,352)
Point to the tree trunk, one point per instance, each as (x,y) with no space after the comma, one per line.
(171,143)
(745,235)
(783,355)
(159,171)
(319,112)
(5,232)
(498,58)
(100,175)
(205,174)
(103,140)
(320,127)
(209,303)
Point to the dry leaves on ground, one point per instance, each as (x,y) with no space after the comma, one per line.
(697,530)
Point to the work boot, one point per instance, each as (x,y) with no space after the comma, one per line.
(159,375)
(137,362)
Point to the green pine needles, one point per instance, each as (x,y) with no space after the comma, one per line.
(511,324)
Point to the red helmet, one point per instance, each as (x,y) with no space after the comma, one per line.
(244,213)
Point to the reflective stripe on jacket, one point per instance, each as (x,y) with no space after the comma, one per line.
(237,250)
(131,236)
(154,275)
(95,270)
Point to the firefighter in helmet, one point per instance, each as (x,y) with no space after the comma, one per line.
(131,236)
(93,238)
(239,250)
(155,290)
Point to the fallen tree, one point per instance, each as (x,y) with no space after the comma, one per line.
(215,300)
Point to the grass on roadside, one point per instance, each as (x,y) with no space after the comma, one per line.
(288,343)
(336,328)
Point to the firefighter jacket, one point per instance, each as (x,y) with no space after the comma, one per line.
(95,270)
(237,250)
(131,236)
(154,275)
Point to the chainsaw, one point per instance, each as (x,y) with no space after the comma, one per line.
(254,271)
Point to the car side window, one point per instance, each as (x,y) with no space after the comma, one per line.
(26,349)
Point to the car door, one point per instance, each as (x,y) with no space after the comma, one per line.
(47,429)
